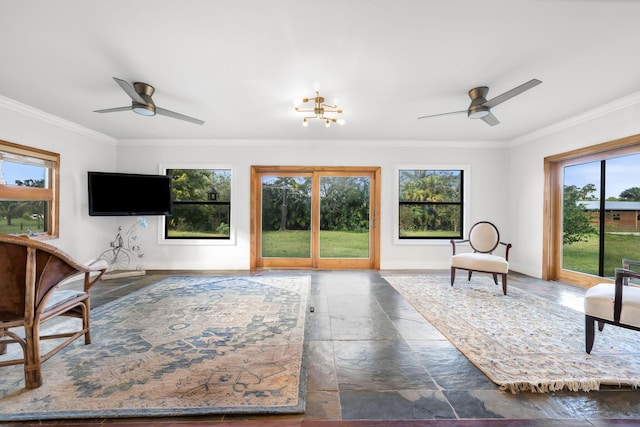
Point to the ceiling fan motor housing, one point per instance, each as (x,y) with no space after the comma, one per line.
(145,91)
(477,109)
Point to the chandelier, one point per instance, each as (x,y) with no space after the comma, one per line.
(319,110)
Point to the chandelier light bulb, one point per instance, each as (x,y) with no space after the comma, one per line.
(341,122)
(327,123)
(305,123)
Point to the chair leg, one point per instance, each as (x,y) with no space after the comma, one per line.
(32,363)
(600,326)
(470,272)
(3,346)
(85,322)
(495,278)
(504,283)
(589,332)
(453,275)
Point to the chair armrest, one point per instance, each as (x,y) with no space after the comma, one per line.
(622,276)
(453,244)
(630,264)
(94,266)
(508,247)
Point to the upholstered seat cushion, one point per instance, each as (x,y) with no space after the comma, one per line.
(598,302)
(480,262)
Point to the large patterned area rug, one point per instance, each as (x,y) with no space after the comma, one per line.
(521,341)
(187,345)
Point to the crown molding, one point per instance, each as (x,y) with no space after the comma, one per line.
(603,110)
(29,111)
(311,143)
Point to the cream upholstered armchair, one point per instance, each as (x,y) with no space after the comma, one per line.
(615,303)
(484,239)
(30,272)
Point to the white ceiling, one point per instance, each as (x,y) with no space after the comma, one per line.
(239,64)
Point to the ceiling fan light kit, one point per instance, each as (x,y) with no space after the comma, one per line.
(320,108)
(480,108)
(142,103)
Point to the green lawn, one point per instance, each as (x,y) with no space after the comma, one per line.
(297,244)
(21,225)
(583,256)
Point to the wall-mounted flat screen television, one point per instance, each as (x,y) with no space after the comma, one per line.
(120,194)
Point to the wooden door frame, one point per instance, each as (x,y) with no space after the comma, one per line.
(317,263)
(552,220)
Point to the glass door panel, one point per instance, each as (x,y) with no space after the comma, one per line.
(601,215)
(622,212)
(286,217)
(344,216)
(581,215)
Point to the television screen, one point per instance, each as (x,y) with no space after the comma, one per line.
(120,194)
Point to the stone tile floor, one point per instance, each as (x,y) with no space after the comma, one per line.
(374,361)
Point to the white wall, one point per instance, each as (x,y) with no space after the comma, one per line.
(506,181)
(80,150)
(488,195)
(526,180)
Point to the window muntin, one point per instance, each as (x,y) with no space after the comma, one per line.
(28,190)
(431,203)
(198,213)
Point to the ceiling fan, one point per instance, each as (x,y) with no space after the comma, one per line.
(141,102)
(480,108)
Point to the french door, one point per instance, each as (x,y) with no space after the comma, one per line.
(315,217)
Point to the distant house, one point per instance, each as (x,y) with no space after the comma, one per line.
(618,215)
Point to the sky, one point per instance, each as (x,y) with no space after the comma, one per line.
(16,171)
(621,173)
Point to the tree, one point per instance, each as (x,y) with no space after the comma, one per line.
(190,187)
(631,194)
(576,222)
(436,197)
(286,203)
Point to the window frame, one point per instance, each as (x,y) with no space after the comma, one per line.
(466,174)
(195,241)
(50,194)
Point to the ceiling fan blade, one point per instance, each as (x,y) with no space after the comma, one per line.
(490,119)
(511,93)
(443,114)
(130,90)
(179,116)
(113,110)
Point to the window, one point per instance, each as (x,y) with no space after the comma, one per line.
(201,204)
(430,203)
(28,190)
(592,197)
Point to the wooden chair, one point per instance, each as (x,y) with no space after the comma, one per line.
(484,238)
(615,303)
(29,274)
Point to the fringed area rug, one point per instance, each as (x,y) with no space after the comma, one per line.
(522,342)
(185,346)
